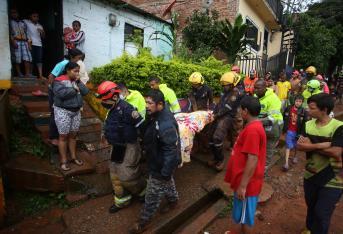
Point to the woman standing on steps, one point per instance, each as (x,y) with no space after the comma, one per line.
(68,92)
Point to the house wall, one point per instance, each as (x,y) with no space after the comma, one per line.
(248,12)
(274,43)
(5,64)
(103,42)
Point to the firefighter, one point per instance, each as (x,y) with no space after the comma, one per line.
(169,94)
(249,82)
(120,131)
(312,88)
(225,118)
(270,115)
(133,97)
(201,96)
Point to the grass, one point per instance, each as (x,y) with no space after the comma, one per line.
(227,209)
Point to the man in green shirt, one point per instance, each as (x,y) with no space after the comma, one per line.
(134,97)
(323,183)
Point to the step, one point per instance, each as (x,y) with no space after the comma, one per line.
(28,97)
(100,150)
(36,106)
(32,173)
(205,218)
(29,88)
(182,218)
(87,167)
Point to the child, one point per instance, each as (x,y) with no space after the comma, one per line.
(245,169)
(294,119)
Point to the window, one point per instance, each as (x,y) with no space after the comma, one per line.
(265,41)
(252,34)
(133,34)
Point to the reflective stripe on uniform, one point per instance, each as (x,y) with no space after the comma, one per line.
(122,201)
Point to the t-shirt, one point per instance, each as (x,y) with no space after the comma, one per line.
(283,88)
(33,33)
(59,68)
(293,118)
(255,133)
(319,167)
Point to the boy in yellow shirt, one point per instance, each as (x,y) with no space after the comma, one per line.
(283,87)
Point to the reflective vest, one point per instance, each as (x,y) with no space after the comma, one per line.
(249,85)
(170,98)
(271,107)
(307,94)
(136,99)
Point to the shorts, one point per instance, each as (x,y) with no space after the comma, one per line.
(22,53)
(67,121)
(291,139)
(37,54)
(244,211)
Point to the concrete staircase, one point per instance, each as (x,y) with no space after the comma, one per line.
(33,173)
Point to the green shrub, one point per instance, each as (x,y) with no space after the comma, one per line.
(136,71)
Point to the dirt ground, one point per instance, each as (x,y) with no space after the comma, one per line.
(285,212)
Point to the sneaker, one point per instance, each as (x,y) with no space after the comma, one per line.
(168,207)
(295,160)
(138,228)
(285,168)
(211,163)
(219,166)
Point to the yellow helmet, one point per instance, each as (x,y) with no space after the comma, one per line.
(196,78)
(229,78)
(311,70)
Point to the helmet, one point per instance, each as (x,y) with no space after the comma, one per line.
(235,68)
(319,77)
(313,85)
(107,89)
(296,73)
(311,70)
(230,78)
(196,78)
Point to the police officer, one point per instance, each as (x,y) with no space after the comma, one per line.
(134,97)
(225,115)
(169,94)
(270,115)
(120,130)
(201,96)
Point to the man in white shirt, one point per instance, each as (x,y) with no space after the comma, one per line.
(36,32)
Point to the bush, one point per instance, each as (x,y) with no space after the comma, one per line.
(136,71)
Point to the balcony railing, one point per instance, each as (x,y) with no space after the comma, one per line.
(277,8)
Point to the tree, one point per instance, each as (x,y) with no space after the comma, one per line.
(232,40)
(331,14)
(316,44)
(201,33)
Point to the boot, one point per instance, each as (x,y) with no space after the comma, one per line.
(113,209)
(170,206)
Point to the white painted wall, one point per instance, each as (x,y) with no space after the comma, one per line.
(5,54)
(104,43)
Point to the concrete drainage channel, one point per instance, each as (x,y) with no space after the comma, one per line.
(196,216)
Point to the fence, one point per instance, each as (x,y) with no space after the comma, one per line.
(262,65)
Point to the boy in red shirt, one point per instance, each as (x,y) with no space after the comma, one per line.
(294,122)
(245,169)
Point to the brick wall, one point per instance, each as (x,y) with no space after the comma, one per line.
(185,8)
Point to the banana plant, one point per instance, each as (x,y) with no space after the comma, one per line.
(232,40)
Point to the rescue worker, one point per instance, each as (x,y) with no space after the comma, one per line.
(201,96)
(162,141)
(225,118)
(134,97)
(249,82)
(312,88)
(240,84)
(120,131)
(270,115)
(169,94)
(311,73)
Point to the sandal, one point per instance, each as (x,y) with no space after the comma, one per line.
(64,166)
(78,162)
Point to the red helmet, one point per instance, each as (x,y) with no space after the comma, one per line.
(235,68)
(319,77)
(106,90)
(296,73)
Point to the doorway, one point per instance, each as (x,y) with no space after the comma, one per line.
(51,18)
